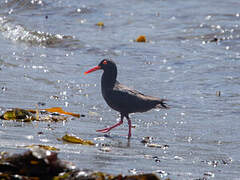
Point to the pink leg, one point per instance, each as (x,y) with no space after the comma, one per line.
(108,129)
(129,127)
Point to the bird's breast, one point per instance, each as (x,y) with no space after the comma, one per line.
(111,99)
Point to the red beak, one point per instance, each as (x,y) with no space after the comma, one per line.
(93,69)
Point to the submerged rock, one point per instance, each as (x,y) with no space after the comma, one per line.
(39,163)
(34,163)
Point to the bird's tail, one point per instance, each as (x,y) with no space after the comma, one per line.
(162,104)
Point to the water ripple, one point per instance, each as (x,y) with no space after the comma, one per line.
(21,34)
(22,5)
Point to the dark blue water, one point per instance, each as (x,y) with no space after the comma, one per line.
(191,53)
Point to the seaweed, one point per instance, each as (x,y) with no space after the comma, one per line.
(41,164)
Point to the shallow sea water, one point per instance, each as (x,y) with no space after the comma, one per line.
(192,52)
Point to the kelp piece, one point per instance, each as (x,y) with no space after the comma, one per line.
(100,24)
(101,176)
(64,176)
(141,39)
(57,110)
(18,114)
(74,139)
(27,116)
(46,147)
(61,111)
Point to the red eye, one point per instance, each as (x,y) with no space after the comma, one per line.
(105,62)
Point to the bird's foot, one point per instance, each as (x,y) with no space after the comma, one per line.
(109,128)
(105,130)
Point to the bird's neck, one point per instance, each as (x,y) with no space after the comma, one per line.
(108,79)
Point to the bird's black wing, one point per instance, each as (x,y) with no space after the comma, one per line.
(129,100)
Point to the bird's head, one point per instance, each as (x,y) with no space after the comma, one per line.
(105,64)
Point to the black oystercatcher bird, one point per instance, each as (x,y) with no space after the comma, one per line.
(122,98)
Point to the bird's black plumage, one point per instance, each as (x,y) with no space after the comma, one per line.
(122,98)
